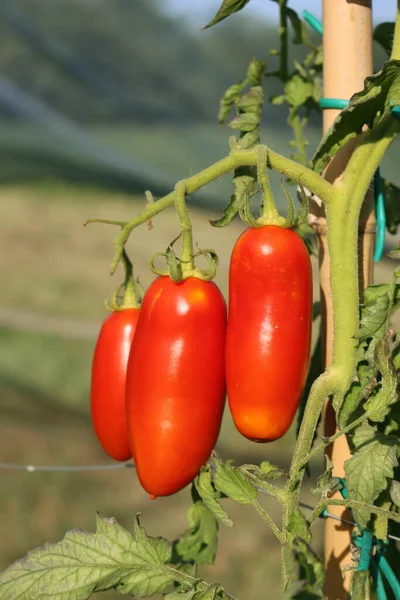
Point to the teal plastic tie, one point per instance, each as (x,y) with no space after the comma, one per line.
(396,112)
(313,21)
(333,103)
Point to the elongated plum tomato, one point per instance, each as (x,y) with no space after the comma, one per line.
(109,367)
(269,330)
(176,382)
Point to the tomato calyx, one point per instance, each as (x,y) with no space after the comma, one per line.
(269,213)
(178,269)
(133,290)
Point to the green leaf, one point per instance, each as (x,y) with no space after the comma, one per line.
(299,27)
(227,8)
(378,405)
(245,122)
(309,579)
(391,197)
(395,493)
(383,35)
(298,527)
(356,393)
(231,482)
(252,102)
(84,563)
(199,544)
(243,184)
(298,90)
(270,471)
(255,72)
(206,491)
(379,302)
(277,100)
(326,483)
(368,470)
(360,585)
(362,110)
(229,99)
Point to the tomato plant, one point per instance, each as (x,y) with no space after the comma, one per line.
(109,369)
(269,330)
(176,382)
(175,379)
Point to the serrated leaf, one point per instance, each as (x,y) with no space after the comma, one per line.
(326,483)
(245,122)
(374,318)
(229,99)
(391,197)
(395,493)
(243,184)
(252,102)
(199,544)
(270,471)
(360,585)
(363,433)
(367,472)
(231,482)
(255,72)
(378,405)
(299,27)
(227,8)
(298,90)
(298,527)
(383,35)
(362,110)
(206,491)
(356,392)
(84,563)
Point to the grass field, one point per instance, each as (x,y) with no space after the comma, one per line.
(55,280)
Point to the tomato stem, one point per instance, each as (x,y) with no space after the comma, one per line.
(187,261)
(269,211)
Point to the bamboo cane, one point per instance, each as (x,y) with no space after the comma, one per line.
(347,47)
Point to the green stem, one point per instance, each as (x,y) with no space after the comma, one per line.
(396,40)
(283,39)
(330,440)
(278,534)
(375,510)
(132,296)
(187,261)
(269,210)
(291,169)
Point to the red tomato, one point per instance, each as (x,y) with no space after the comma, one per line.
(176,382)
(269,330)
(108,382)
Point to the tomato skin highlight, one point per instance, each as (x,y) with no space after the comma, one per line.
(107,398)
(176,382)
(269,330)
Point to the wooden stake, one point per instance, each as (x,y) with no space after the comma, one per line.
(347,46)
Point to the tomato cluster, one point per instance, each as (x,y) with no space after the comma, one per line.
(160,375)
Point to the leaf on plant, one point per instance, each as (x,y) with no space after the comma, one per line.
(379,302)
(199,543)
(206,491)
(229,99)
(298,90)
(395,493)
(360,585)
(368,470)
(227,8)
(383,35)
(243,184)
(356,392)
(299,27)
(378,405)
(255,72)
(309,578)
(270,471)
(231,482)
(362,110)
(298,527)
(326,483)
(85,563)
(391,197)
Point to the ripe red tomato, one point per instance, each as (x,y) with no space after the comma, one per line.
(108,382)
(176,382)
(269,330)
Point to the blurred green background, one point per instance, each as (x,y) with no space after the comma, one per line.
(98,102)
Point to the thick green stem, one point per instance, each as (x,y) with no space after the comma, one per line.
(269,210)
(283,41)
(187,261)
